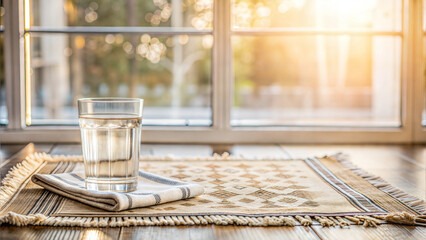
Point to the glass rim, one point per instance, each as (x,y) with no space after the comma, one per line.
(110,99)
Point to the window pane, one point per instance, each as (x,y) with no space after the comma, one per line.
(172,74)
(317,80)
(373,14)
(165,13)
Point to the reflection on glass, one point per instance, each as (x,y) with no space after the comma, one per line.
(316,80)
(373,14)
(147,13)
(172,74)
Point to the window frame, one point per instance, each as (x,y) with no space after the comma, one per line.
(419,78)
(2,35)
(412,91)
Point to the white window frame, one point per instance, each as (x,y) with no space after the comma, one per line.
(419,86)
(412,91)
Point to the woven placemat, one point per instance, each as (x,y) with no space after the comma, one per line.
(264,192)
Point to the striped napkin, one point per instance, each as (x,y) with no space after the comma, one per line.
(152,190)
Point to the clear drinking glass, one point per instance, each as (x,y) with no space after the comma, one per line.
(110,140)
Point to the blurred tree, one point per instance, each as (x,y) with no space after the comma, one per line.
(126,60)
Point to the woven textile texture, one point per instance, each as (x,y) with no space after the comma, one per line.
(327,190)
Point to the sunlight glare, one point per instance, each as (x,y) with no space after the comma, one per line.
(359,11)
(298,3)
(350,6)
(92,235)
(27,45)
(284,7)
(208,41)
(263,11)
(27,21)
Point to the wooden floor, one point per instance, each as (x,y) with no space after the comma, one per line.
(404,166)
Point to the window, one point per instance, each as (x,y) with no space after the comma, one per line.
(220,71)
(157,50)
(339,66)
(420,75)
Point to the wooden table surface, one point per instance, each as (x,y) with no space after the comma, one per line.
(404,166)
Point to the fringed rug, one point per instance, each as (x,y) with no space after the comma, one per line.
(266,192)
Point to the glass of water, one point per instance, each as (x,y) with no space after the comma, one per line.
(110,140)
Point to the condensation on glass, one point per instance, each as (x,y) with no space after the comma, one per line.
(312,79)
(3,109)
(172,73)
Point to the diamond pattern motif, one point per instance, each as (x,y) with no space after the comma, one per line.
(180,176)
(223,194)
(240,185)
(264,194)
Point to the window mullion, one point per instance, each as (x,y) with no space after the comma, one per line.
(418,71)
(408,70)
(159,31)
(311,31)
(14,63)
(222,83)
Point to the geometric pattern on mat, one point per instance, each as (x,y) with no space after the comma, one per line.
(238,187)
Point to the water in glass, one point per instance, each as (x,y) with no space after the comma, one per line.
(110,145)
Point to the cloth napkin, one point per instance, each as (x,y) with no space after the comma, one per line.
(152,190)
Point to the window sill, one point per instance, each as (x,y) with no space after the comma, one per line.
(71,134)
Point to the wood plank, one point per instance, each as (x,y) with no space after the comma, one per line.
(385,231)
(18,157)
(217,232)
(66,149)
(42,232)
(387,162)
(167,232)
(75,149)
(411,181)
(375,156)
(7,150)
(222,148)
(180,150)
(250,151)
(259,151)
(415,154)
(271,233)
(383,156)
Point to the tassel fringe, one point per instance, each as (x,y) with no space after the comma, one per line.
(18,174)
(414,202)
(223,220)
